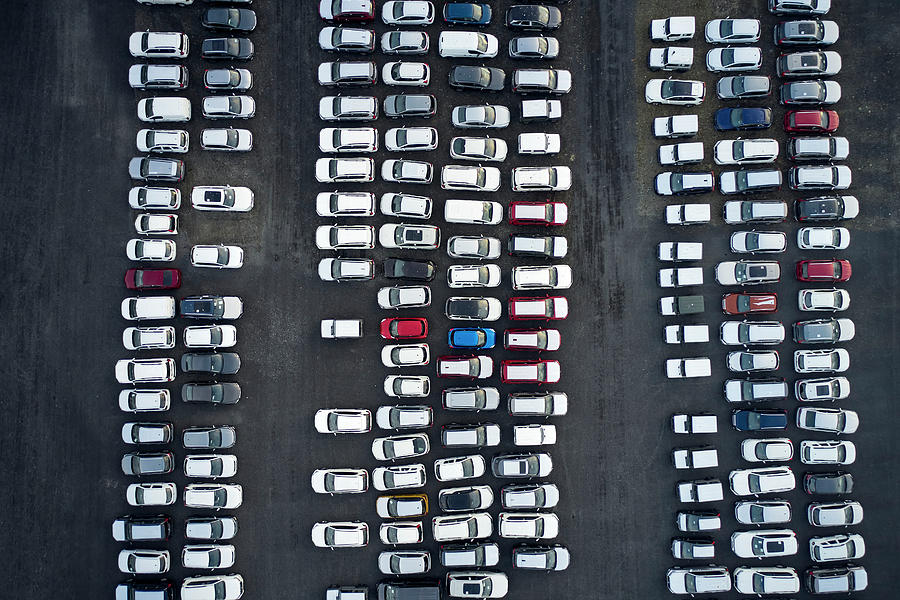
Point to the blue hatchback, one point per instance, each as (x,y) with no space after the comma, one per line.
(471,337)
(467,13)
(737,119)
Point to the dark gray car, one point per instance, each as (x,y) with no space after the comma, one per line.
(743,86)
(212,438)
(227,48)
(477,78)
(533,16)
(213,393)
(227,79)
(147,463)
(409,105)
(156,169)
(215,363)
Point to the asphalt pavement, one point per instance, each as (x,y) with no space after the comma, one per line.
(71,124)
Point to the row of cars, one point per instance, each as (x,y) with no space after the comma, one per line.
(464,526)
(769,538)
(208,538)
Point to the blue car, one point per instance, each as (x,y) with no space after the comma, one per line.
(758,420)
(471,337)
(467,13)
(739,119)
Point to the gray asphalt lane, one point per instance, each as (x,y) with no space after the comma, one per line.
(66,224)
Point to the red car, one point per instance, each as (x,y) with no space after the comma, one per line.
(404,329)
(546,308)
(152,279)
(538,213)
(741,304)
(811,121)
(347,10)
(529,371)
(824,270)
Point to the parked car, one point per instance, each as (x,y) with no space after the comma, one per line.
(346,269)
(828,484)
(741,119)
(758,420)
(702,580)
(823,300)
(350,108)
(672,29)
(538,213)
(762,512)
(533,17)
(824,331)
(469,526)
(732,31)
(412,270)
(808,64)
(347,39)
(479,398)
(229,587)
(335,420)
(758,241)
(764,543)
(827,420)
(766,580)
(747,272)
(679,92)
(816,390)
(227,48)
(824,270)
(340,534)
(763,480)
(827,453)
(811,121)
(227,79)
(158,44)
(459,467)
(409,296)
(806,33)
(151,494)
(730,59)
(834,514)
(210,528)
(850,578)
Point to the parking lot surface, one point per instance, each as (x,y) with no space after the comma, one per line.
(71,125)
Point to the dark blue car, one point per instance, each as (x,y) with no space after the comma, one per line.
(467,13)
(471,337)
(758,420)
(738,119)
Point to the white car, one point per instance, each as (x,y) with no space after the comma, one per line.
(413,237)
(406,171)
(404,296)
(758,241)
(348,108)
(150,250)
(347,39)
(743,152)
(156,224)
(470,178)
(404,417)
(345,204)
(220,587)
(217,256)
(340,534)
(823,238)
(405,42)
(701,490)
(703,580)
(828,420)
(145,370)
(340,481)
(834,514)
(765,480)
(340,237)
(477,584)
(406,73)
(148,338)
(144,562)
(411,139)
(459,467)
(406,206)
(399,447)
(467,44)
(762,512)
(154,198)
(158,44)
(833,360)
(407,12)
(224,198)
(163,140)
(753,361)
(407,386)
(730,60)
(210,336)
(835,177)
(398,477)
(210,528)
(672,29)
(210,466)
(764,543)
(346,269)
(348,139)
(732,31)
(144,400)
(228,107)
(534,435)
(470,526)
(767,450)
(473,212)
(531,496)
(227,140)
(824,300)
(542,526)
(466,276)
(478,149)
(677,92)
(142,308)
(537,179)
(827,453)
(837,547)
(478,398)
(816,390)
(146,433)
(213,495)
(345,170)
(553,277)
(538,143)
(475,246)
(401,506)
(164,110)
(488,116)
(151,494)
(401,532)
(346,420)
(766,580)
(213,556)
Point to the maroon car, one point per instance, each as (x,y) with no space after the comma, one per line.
(811,121)
(152,279)
(742,304)
(823,270)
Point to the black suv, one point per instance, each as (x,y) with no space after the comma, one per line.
(415,270)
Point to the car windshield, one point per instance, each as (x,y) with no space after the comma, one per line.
(690,583)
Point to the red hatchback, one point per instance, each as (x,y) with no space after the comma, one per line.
(404,329)
(804,121)
(152,279)
(741,304)
(538,213)
(824,270)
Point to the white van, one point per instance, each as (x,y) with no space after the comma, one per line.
(467,44)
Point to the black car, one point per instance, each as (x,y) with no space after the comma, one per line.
(740,119)
(414,270)
(828,483)
(205,307)
(826,208)
(231,19)
(157,590)
(467,13)
(410,105)
(460,499)
(214,363)
(533,16)
(213,393)
(477,78)
(758,420)
(227,48)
